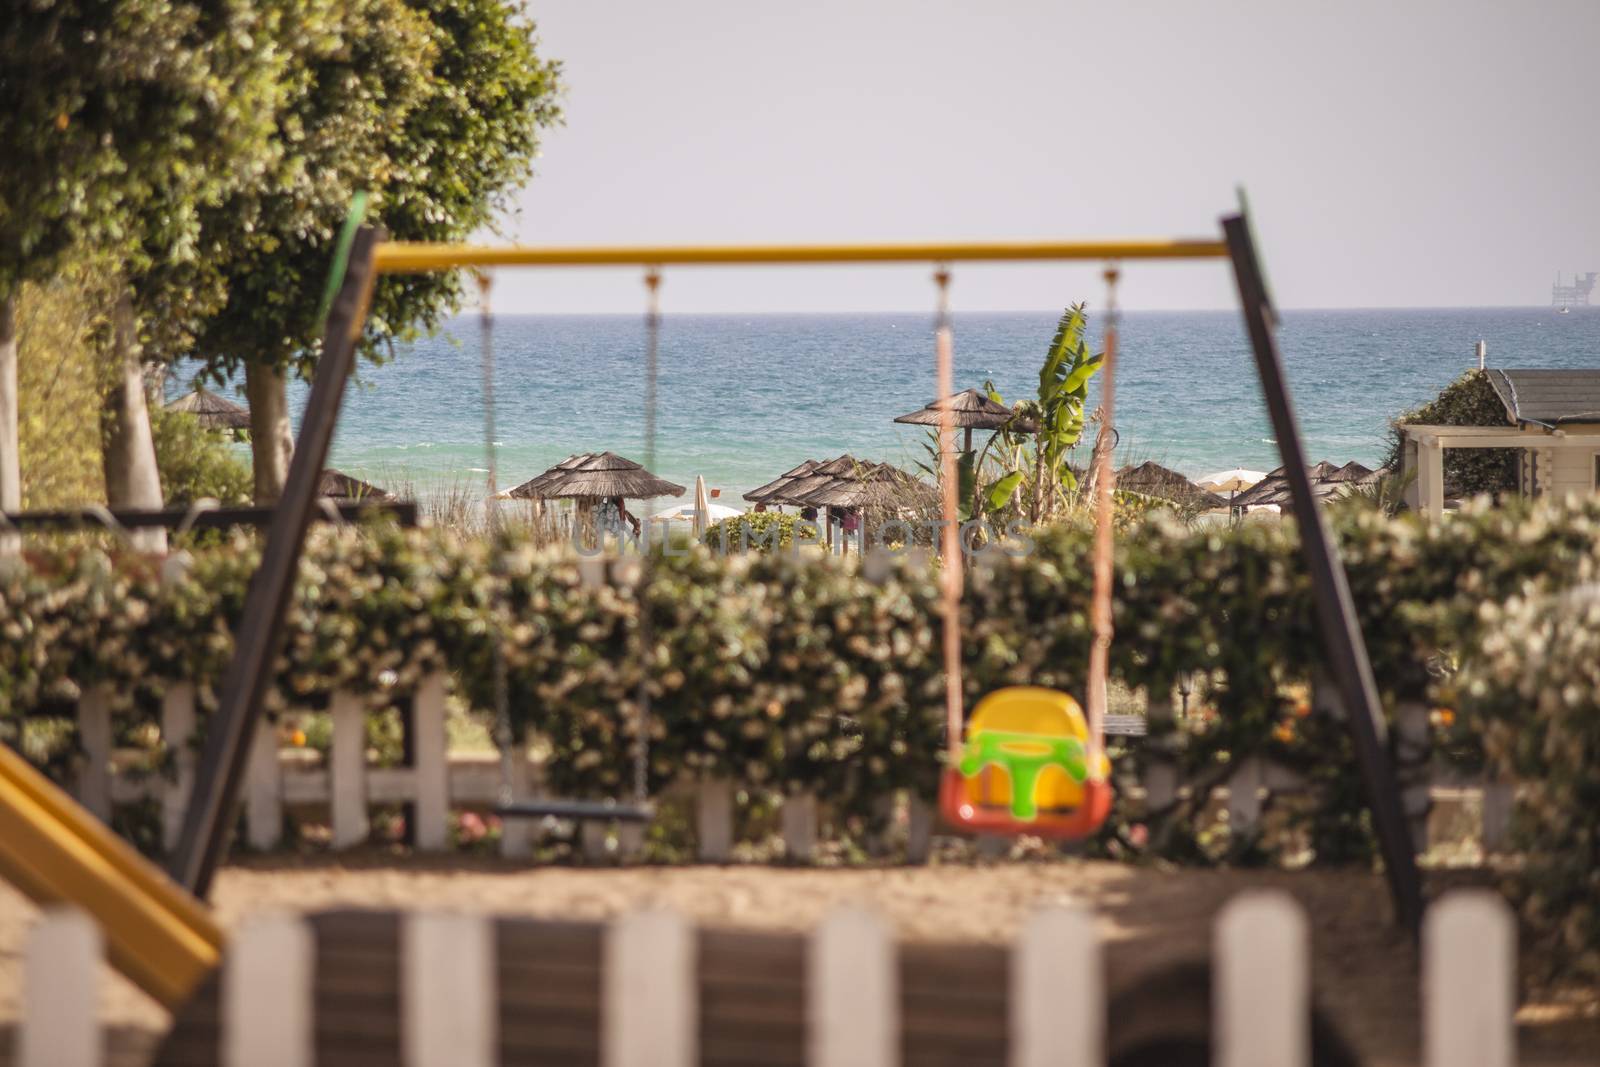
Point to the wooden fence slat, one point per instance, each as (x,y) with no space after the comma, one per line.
(919,829)
(449,1002)
(1058,1009)
(431,749)
(1498,803)
(713,812)
(1262,983)
(518,835)
(1244,796)
(61,992)
(267,994)
(852,993)
(94,735)
(649,994)
(1469,948)
(347,768)
(264,790)
(799,819)
(177,730)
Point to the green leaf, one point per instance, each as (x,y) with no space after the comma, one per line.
(1001,492)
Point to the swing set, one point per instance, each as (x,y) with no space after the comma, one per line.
(1028,760)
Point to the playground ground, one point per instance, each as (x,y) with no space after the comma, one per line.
(1364,971)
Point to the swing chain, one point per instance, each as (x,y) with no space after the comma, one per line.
(1104,476)
(504,738)
(949,525)
(641,737)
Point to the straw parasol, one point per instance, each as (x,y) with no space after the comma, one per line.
(970,409)
(1232,481)
(873,485)
(212,411)
(337,485)
(1152,479)
(603,475)
(533,488)
(1327,480)
(769,492)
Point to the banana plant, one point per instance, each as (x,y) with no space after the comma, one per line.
(1038,462)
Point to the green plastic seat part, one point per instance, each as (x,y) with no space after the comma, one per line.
(1023,757)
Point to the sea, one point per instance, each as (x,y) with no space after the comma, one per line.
(741,398)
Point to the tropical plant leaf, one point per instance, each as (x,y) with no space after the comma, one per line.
(1001,491)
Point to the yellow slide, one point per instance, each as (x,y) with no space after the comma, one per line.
(57,853)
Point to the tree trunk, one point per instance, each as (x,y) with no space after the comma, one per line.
(10,461)
(271,443)
(132,478)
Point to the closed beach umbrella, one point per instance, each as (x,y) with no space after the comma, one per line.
(212,411)
(702,505)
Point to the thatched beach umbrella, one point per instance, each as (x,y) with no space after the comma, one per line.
(1152,479)
(337,485)
(212,411)
(876,486)
(768,493)
(822,475)
(970,409)
(604,475)
(534,488)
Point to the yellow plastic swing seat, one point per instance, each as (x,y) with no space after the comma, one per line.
(1024,768)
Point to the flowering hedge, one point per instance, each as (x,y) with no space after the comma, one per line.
(1532,691)
(796,673)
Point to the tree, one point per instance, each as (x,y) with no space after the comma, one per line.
(122,119)
(432,106)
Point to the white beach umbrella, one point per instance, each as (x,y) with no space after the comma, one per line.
(702,505)
(1236,480)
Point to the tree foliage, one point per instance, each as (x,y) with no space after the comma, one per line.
(433,107)
(1468,401)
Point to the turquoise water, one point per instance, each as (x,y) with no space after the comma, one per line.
(745,397)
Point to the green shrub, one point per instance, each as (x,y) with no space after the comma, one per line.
(1532,687)
(786,671)
(196,462)
(762,531)
(1468,401)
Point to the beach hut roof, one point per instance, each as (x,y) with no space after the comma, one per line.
(606,474)
(971,409)
(337,485)
(212,411)
(1152,479)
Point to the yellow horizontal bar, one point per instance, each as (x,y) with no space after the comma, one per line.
(55,852)
(399,257)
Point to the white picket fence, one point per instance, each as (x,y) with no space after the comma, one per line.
(437,781)
(648,1018)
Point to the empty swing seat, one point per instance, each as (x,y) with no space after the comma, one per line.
(1024,769)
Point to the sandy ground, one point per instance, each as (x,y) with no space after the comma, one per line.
(1364,972)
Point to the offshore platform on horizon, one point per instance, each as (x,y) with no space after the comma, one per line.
(1574,295)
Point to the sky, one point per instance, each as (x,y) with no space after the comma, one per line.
(1399,153)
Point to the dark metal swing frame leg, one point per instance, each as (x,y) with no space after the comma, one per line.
(220,772)
(1342,643)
